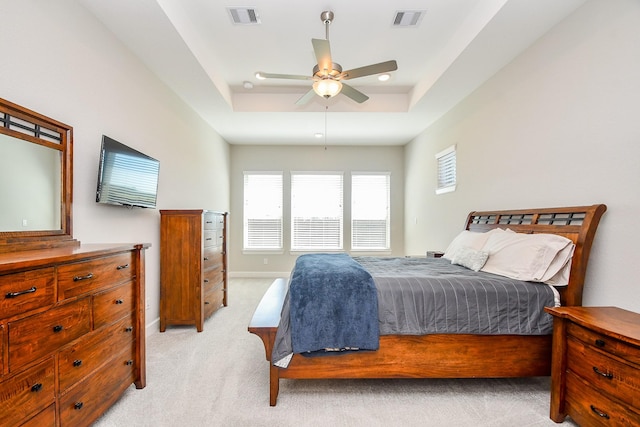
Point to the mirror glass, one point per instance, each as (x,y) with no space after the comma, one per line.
(30,186)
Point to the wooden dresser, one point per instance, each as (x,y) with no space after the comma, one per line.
(72,332)
(193,266)
(595,375)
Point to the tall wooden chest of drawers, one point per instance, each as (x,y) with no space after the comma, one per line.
(595,375)
(72,332)
(193,266)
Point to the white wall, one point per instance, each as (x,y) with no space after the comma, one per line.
(58,60)
(307,158)
(557,127)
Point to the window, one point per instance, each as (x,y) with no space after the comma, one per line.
(262,210)
(370,222)
(446,160)
(316,211)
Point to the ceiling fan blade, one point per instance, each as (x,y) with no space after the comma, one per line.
(354,94)
(322,50)
(382,67)
(306,97)
(283,76)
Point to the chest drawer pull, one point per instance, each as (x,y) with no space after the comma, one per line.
(58,328)
(129,362)
(17,294)
(78,405)
(78,278)
(36,387)
(77,363)
(599,412)
(128,329)
(604,374)
(600,343)
(122,267)
(119,301)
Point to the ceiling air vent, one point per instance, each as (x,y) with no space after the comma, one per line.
(244,15)
(408,18)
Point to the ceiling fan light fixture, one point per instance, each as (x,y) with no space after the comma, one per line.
(327,88)
(384,77)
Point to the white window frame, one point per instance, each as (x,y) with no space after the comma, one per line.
(370,210)
(272,216)
(303,242)
(446,166)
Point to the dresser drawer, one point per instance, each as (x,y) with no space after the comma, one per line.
(87,276)
(21,292)
(43,333)
(212,278)
(46,418)
(211,220)
(590,408)
(91,351)
(213,299)
(610,345)
(3,333)
(29,391)
(212,258)
(210,239)
(81,405)
(111,305)
(609,375)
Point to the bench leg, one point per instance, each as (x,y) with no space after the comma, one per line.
(274,384)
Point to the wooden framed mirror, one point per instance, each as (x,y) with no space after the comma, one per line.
(36,180)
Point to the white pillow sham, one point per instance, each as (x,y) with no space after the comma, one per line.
(530,257)
(468,239)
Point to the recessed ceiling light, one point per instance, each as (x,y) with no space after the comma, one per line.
(384,77)
(247,85)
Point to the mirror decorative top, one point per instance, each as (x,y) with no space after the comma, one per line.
(35,180)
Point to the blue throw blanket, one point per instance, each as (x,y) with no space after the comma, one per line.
(333,305)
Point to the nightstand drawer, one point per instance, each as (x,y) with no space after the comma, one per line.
(605,343)
(607,374)
(590,408)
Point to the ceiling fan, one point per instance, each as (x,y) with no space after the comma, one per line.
(327,75)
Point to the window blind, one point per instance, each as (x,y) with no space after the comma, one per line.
(316,211)
(262,210)
(370,219)
(446,162)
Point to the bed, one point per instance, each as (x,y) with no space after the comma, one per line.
(446,355)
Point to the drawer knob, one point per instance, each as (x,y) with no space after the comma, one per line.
(128,329)
(122,267)
(77,363)
(604,374)
(599,412)
(129,362)
(206,280)
(119,301)
(207,302)
(78,278)
(18,293)
(600,343)
(206,258)
(36,387)
(58,328)
(78,405)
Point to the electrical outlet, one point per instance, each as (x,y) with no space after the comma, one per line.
(265,261)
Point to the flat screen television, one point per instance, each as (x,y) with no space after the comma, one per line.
(126,177)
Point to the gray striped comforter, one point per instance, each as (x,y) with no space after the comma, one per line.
(418,296)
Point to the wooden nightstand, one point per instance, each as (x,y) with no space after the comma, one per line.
(434,254)
(595,372)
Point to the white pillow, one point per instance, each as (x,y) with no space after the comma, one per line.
(530,257)
(470,258)
(468,239)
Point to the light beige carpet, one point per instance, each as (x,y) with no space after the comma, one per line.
(219,377)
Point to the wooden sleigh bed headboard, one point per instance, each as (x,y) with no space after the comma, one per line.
(577,223)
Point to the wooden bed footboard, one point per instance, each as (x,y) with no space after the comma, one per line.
(446,355)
